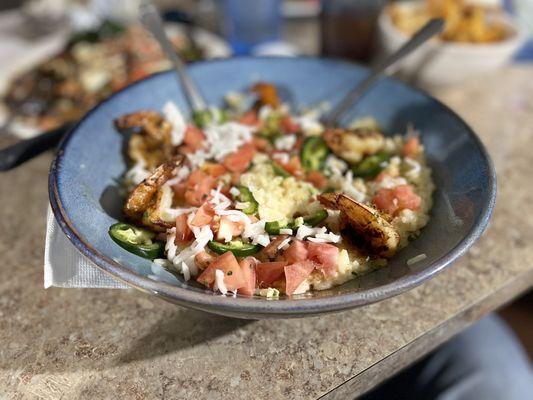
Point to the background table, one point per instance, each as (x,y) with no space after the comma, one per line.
(96,344)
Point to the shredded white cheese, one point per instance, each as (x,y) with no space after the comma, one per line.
(185,271)
(219,282)
(284,244)
(220,141)
(234,191)
(281,157)
(285,142)
(137,173)
(256,232)
(304,231)
(175,118)
(309,123)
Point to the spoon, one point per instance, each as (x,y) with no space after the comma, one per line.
(152,21)
(20,152)
(383,67)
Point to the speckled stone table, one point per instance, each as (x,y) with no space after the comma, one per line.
(106,344)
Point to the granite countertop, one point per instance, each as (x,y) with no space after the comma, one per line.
(96,344)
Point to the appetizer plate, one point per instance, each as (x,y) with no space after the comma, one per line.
(84,192)
(30,56)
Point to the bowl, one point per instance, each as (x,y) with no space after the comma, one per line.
(440,63)
(85,199)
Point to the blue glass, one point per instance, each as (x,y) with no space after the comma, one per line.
(248,23)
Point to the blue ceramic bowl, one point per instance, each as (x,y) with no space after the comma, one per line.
(83,180)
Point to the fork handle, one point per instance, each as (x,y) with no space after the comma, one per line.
(20,152)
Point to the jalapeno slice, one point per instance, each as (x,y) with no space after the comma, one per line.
(203,118)
(246,196)
(273,227)
(136,240)
(316,218)
(279,171)
(372,165)
(314,153)
(238,248)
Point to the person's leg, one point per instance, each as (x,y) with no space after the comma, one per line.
(485,362)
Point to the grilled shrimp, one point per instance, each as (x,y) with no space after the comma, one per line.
(150,143)
(353,144)
(267,93)
(376,234)
(143,202)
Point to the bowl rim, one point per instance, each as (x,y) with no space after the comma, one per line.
(515,38)
(263,308)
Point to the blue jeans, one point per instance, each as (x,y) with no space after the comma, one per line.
(485,362)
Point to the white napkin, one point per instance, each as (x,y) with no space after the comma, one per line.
(64,266)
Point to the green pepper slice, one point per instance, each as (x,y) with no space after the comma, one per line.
(314,153)
(238,248)
(279,171)
(246,196)
(273,227)
(136,240)
(203,118)
(372,165)
(316,218)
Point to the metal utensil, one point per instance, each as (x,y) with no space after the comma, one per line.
(20,152)
(153,22)
(429,30)
(15,155)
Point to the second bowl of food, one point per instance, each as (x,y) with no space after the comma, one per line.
(254,208)
(477,40)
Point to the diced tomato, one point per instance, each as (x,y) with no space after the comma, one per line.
(227,263)
(272,249)
(214,170)
(204,215)
(199,185)
(248,272)
(295,274)
(249,118)
(241,159)
(235,178)
(260,143)
(289,126)
(183,232)
(293,167)
(184,149)
(397,199)
(204,259)
(179,190)
(296,252)
(325,255)
(318,179)
(194,137)
(196,177)
(411,148)
(298,144)
(269,272)
(227,227)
